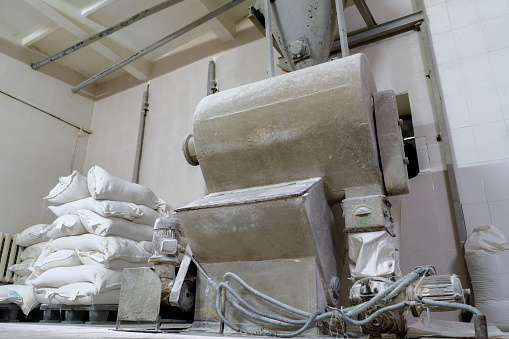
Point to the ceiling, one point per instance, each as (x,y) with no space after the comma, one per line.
(47,27)
(38,29)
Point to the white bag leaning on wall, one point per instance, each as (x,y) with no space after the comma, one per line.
(487,256)
(70,188)
(105,186)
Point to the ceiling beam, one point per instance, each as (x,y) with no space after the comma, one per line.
(139,71)
(222,26)
(365,12)
(121,46)
(39,34)
(380,31)
(94,7)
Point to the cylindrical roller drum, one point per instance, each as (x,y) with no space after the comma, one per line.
(315,122)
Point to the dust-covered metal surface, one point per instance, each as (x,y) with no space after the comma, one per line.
(140,296)
(293,282)
(260,230)
(250,195)
(390,143)
(286,241)
(366,213)
(303,30)
(315,122)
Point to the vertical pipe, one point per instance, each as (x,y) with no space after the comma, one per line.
(211,80)
(268,37)
(342,28)
(74,152)
(445,145)
(141,135)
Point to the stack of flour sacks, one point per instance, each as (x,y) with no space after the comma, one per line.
(104,224)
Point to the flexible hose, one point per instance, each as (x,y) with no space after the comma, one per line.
(387,294)
(374,315)
(265,297)
(445,304)
(339,332)
(244,303)
(263,333)
(250,311)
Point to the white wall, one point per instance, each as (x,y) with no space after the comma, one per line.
(173,99)
(471,46)
(35,149)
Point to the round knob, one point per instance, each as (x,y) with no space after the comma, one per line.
(189,151)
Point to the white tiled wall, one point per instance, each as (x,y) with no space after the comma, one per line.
(35,149)
(472,55)
(428,235)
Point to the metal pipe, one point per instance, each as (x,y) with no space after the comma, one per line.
(211,80)
(141,136)
(158,44)
(268,38)
(106,32)
(443,137)
(44,111)
(74,152)
(342,28)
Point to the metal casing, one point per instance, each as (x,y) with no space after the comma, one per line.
(285,231)
(390,143)
(315,122)
(309,24)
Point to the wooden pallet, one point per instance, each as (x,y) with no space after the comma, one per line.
(79,314)
(9,313)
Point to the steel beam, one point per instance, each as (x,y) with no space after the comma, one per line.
(343,38)
(138,72)
(382,30)
(268,39)
(258,20)
(106,32)
(365,12)
(158,44)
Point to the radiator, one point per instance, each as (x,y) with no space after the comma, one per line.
(10,254)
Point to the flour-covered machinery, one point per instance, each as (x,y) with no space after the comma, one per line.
(296,166)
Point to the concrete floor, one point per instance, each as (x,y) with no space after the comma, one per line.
(57,331)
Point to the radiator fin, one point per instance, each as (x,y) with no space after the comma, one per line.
(10,254)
